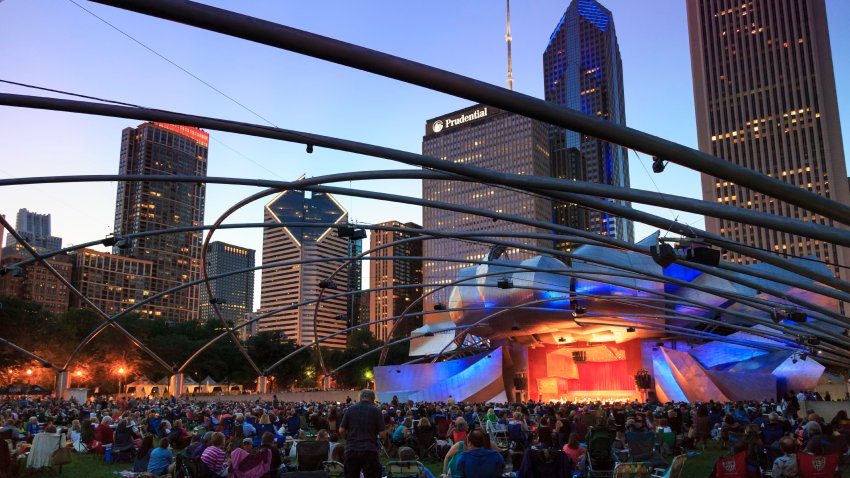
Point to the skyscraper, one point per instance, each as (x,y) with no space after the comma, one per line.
(35,283)
(486,137)
(286,285)
(394,272)
(582,70)
(112,282)
(234,294)
(355,282)
(35,229)
(765,99)
(146,206)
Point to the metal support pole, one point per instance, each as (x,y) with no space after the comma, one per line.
(354,56)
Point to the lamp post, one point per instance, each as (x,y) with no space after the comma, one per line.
(29,380)
(79,375)
(121,372)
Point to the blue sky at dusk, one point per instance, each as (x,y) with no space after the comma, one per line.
(54,43)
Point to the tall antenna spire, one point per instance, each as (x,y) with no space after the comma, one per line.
(508,39)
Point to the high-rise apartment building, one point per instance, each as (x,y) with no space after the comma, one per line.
(582,70)
(35,229)
(35,283)
(355,282)
(234,294)
(765,99)
(112,282)
(147,206)
(485,137)
(299,250)
(394,272)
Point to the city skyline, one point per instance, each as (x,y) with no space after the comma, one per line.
(395,110)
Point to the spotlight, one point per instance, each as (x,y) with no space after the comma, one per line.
(579,310)
(796,316)
(803,357)
(663,254)
(630,329)
(109,241)
(428,334)
(504,283)
(4,271)
(775,316)
(327,284)
(17,271)
(213,300)
(439,307)
(515,327)
(659,344)
(309,149)
(703,255)
(350,232)
(658,165)
(794,360)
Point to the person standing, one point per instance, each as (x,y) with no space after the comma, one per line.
(361,426)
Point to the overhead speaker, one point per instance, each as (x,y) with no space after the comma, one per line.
(703,255)
(663,254)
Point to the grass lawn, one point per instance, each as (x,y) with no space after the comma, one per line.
(88,466)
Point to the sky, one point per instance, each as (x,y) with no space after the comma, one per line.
(57,44)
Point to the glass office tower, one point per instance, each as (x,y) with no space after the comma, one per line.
(485,137)
(297,278)
(583,71)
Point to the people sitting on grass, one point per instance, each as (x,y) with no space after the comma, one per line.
(245,462)
(143,455)
(478,460)
(161,460)
(213,456)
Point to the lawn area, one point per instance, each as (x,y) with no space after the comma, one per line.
(87,466)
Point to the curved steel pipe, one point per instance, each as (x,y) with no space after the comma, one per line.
(280,36)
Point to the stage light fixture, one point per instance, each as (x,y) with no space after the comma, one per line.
(439,307)
(504,283)
(794,360)
(515,327)
(109,241)
(630,329)
(214,300)
(579,310)
(658,165)
(327,284)
(309,149)
(428,334)
(795,315)
(703,255)
(803,357)
(350,232)
(776,316)
(17,271)
(663,254)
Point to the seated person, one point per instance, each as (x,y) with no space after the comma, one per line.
(786,465)
(247,463)
(573,448)
(401,435)
(161,460)
(479,460)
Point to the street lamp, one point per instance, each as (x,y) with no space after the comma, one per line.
(121,372)
(29,380)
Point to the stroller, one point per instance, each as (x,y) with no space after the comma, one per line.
(600,460)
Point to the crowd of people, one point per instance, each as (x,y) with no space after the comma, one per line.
(254,438)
